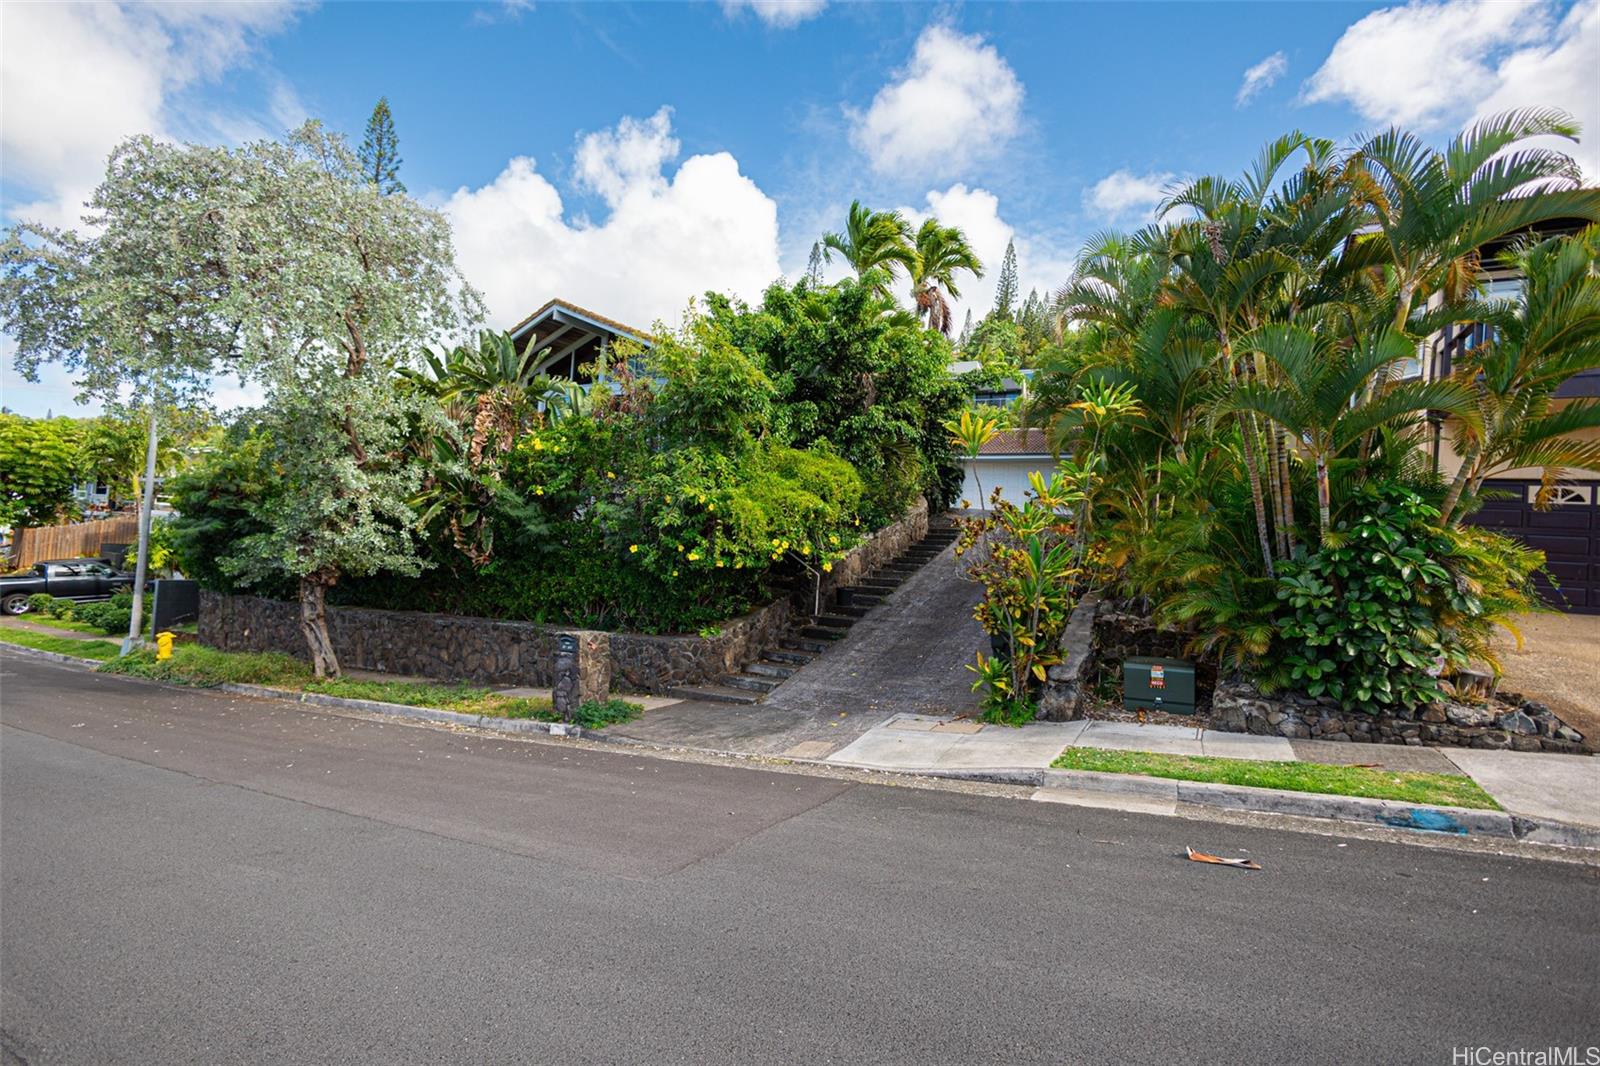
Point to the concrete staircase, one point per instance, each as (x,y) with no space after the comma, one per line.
(809,636)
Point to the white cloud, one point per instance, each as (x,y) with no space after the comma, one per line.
(957,102)
(504,11)
(627,160)
(1123,196)
(779,13)
(1558,72)
(1261,76)
(665,240)
(1042,263)
(1425,64)
(78,78)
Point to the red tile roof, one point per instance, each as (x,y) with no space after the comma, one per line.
(1017,442)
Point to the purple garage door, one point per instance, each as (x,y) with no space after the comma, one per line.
(1568,533)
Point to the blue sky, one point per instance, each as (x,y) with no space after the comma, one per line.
(628,156)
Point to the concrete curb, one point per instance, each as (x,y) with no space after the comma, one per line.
(1388,814)
(402,710)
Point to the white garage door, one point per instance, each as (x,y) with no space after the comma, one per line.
(1010,475)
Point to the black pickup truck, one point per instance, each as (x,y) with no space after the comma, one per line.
(67,579)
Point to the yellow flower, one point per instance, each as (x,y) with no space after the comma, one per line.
(711,507)
(693,556)
(538,490)
(833,538)
(669,499)
(538,445)
(719,564)
(633,548)
(611,475)
(827,568)
(674,573)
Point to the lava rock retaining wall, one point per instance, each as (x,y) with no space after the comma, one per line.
(1511,722)
(484,651)
(490,651)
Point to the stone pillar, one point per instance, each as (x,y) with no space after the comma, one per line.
(582,670)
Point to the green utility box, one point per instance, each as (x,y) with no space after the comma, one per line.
(1158,685)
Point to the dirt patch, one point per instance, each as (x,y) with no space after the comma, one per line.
(1558,665)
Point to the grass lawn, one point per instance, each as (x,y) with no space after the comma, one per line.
(83,649)
(193,664)
(1438,789)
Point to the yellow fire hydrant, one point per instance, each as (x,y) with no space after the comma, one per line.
(163,645)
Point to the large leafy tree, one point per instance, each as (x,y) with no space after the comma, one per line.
(38,467)
(333,286)
(876,244)
(132,305)
(941,252)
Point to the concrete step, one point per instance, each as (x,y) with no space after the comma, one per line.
(765,668)
(853,609)
(822,632)
(837,621)
(713,693)
(795,658)
(795,642)
(862,598)
(752,682)
(880,581)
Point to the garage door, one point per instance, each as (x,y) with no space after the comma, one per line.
(1010,475)
(1568,533)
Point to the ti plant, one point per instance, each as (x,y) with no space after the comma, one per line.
(1028,575)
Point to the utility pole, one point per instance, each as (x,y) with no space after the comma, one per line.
(146,510)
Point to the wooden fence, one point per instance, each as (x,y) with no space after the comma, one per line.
(73,541)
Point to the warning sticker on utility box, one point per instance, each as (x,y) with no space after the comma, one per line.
(1158,677)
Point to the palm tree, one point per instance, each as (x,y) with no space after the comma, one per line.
(875,243)
(940,252)
(1433,210)
(1535,344)
(1319,394)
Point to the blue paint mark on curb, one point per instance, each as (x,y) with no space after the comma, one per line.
(1427,821)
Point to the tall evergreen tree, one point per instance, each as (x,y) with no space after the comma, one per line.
(814,265)
(1005,292)
(966,333)
(380,150)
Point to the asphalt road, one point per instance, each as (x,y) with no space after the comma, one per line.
(190,877)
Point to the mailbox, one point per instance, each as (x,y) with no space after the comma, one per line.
(1158,685)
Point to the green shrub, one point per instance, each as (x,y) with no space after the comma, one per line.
(1362,615)
(595,714)
(123,597)
(42,603)
(63,608)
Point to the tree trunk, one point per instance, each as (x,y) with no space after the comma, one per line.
(1453,497)
(1257,497)
(1323,519)
(314,624)
(1285,476)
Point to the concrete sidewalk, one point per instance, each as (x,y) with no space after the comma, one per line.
(1563,788)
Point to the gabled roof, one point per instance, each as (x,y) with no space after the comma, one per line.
(558,309)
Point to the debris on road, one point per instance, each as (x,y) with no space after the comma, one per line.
(1241,864)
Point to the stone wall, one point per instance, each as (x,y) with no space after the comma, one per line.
(1239,707)
(884,546)
(484,650)
(1067,683)
(493,652)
